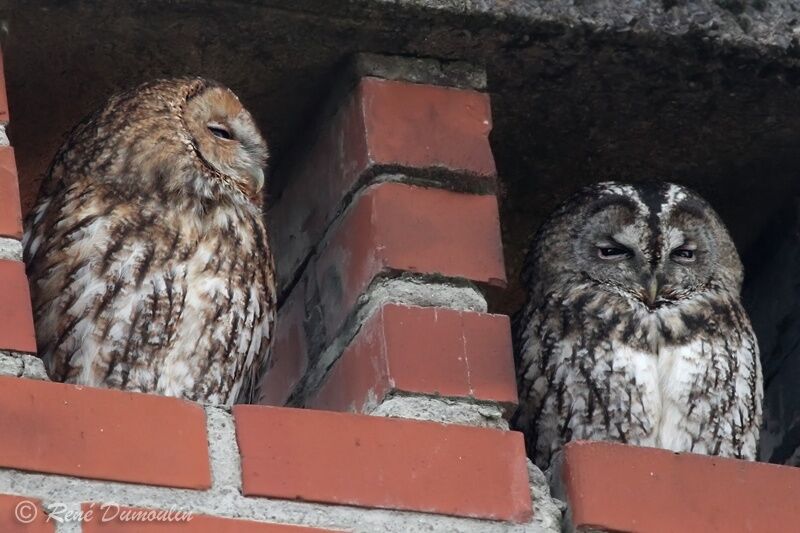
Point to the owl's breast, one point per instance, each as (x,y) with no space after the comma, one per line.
(160,300)
(684,387)
(668,326)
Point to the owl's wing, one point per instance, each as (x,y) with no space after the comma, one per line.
(250,390)
(534,377)
(54,248)
(57,188)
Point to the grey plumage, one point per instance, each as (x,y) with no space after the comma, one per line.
(633,330)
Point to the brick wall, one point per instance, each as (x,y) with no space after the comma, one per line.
(387,236)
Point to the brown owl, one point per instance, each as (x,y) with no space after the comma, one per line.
(146,253)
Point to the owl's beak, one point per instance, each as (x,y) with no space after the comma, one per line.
(651,291)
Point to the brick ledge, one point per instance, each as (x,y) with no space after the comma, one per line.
(615,487)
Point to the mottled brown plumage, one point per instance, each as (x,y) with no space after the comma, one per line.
(147,255)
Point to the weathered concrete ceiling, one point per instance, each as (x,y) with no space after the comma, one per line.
(704,92)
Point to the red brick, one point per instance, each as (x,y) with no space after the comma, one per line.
(16,326)
(372,461)
(382,124)
(10,213)
(399,228)
(102,434)
(15,511)
(613,487)
(4,115)
(423,350)
(424,126)
(111,518)
(289,352)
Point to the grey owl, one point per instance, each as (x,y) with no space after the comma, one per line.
(146,253)
(633,330)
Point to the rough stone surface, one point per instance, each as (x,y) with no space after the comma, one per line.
(748,22)
(411,290)
(548,511)
(226,472)
(66,526)
(437,409)
(419,70)
(704,92)
(22,365)
(225,499)
(10,249)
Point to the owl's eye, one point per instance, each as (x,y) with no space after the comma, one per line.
(683,255)
(613,253)
(220,132)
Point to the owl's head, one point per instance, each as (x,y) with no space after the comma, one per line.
(188,137)
(225,136)
(655,243)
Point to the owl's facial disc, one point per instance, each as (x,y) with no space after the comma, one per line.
(227,138)
(656,260)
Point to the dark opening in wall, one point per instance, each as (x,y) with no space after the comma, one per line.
(705,95)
